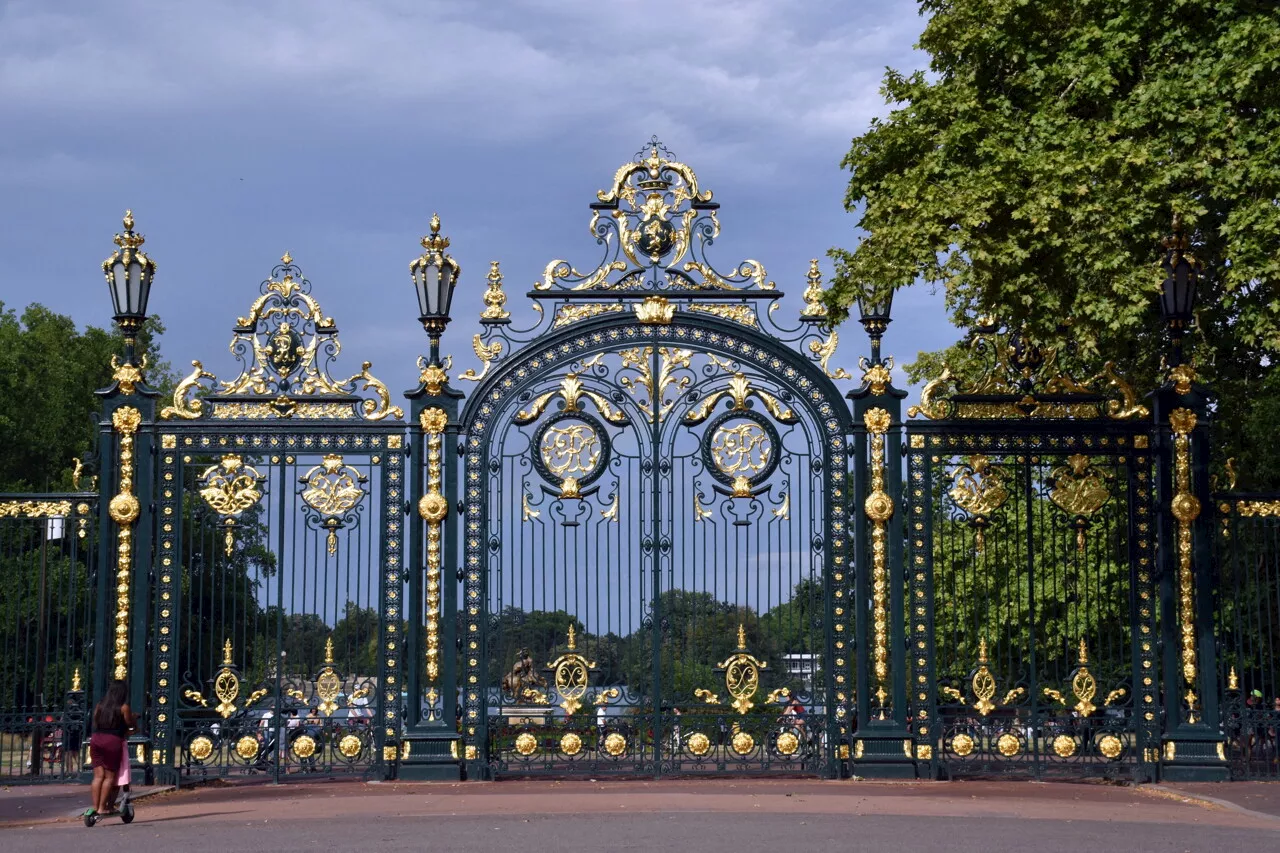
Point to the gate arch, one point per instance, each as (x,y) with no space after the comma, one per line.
(656,550)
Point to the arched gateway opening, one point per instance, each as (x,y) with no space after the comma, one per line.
(655,480)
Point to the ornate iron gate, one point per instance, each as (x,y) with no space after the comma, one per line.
(276,621)
(654,498)
(1032,572)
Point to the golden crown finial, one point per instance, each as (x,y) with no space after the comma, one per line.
(573,640)
(435,242)
(128,240)
(435,223)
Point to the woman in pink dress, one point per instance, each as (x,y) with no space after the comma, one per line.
(112,722)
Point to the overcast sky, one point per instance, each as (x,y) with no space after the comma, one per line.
(238,130)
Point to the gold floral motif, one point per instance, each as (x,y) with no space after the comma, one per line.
(876,376)
(655,310)
(247,747)
(979,490)
(655,388)
(824,351)
(304,746)
(572,391)
(1110,746)
(739,389)
(787,743)
(962,745)
(1064,746)
(200,748)
(1008,745)
(1182,377)
(34,509)
(1255,509)
(123,510)
(743,743)
(1080,490)
(332,489)
(615,744)
(349,746)
(230,488)
(568,314)
(743,314)
(526,744)
(699,744)
(433,507)
(570,744)
(879,509)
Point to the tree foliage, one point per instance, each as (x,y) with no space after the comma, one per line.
(1032,170)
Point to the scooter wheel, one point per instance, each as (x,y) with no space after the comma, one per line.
(126,814)
(90,819)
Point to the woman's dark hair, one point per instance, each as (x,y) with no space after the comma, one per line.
(108,716)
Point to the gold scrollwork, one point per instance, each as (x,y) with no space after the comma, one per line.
(739,389)
(328,684)
(226,684)
(571,673)
(670,359)
(879,509)
(567,314)
(123,510)
(34,509)
(572,391)
(570,450)
(824,351)
(1186,509)
(333,488)
(487,353)
(742,674)
(979,489)
(743,314)
(1080,490)
(741,447)
(983,683)
(1258,509)
(1084,685)
(230,488)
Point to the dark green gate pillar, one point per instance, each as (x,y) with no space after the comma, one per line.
(1192,747)
(432,743)
(883,746)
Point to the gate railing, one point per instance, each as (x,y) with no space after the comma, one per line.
(46,633)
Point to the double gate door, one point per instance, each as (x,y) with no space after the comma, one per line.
(649,528)
(273,612)
(1032,558)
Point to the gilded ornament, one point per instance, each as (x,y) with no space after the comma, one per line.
(34,509)
(123,510)
(787,743)
(962,745)
(743,743)
(615,744)
(655,310)
(230,488)
(226,684)
(1064,746)
(571,674)
(570,744)
(1080,490)
(1255,509)
(654,400)
(1084,685)
(128,375)
(304,746)
(1182,377)
(247,747)
(570,450)
(1185,508)
(349,746)
(332,489)
(813,308)
(824,351)
(494,298)
(743,314)
(699,744)
(567,314)
(1110,746)
(75,680)
(983,682)
(876,376)
(741,448)
(433,378)
(979,489)
(526,744)
(200,748)
(486,353)
(879,509)
(1008,745)
(742,674)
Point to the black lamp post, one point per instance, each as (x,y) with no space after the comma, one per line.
(129,273)
(1178,290)
(434,276)
(874,314)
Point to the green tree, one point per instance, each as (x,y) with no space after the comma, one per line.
(1032,170)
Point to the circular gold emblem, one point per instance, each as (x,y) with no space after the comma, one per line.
(1186,508)
(349,746)
(123,508)
(879,506)
(433,506)
(743,743)
(304,746)
(1110,746)
(962,745)
(390,753)
(1064,746)
(699,744)
(201,748)
(787,743)
(526,744)
(571,744)
(615,744)
(247,747)
(1008,745)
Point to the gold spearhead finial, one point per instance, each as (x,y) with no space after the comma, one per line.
(742,636)
(226,653)
(328,650)
(286,259)
(128,220)
(1084,652)
(435,223)
(573,644)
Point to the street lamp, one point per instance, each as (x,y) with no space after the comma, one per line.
(129,273)
(434,276)
(1178,290)
(874,314)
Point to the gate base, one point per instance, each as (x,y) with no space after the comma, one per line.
(1187,760)
(431,758)
(883,758)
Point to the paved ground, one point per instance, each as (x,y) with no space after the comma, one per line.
(712,816)
(1261,797)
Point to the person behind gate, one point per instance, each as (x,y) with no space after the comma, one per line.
(113,720)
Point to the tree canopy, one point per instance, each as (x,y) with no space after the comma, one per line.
(1033,169)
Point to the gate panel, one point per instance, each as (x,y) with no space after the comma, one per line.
(47,543)
(1248,629)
